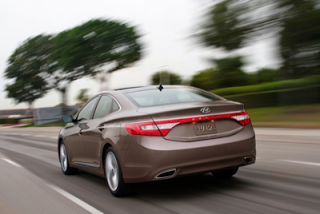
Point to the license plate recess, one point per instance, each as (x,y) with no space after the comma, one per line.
(204,128)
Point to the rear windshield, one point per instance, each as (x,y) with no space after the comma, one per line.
(170,96)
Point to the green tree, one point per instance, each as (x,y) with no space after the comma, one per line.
(223,28)
(165,78)
(206,79)
(94,47)
(232,24)
(229,72)
(27,69)
(264,75)
(54,62)
(300,38)
(229,64)
(83,96)
(26,91)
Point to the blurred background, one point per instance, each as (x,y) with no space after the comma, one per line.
(55,55)
(265,54)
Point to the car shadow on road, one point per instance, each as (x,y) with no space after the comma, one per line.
(189,186)
(183,187)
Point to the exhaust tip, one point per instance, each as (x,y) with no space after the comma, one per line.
(165,174)
(249,160)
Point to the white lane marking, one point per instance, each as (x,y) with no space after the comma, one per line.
(39,136)
(11,162)
(302,162)
(76,200)
(25,134)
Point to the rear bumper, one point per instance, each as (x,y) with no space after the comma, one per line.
(148,156)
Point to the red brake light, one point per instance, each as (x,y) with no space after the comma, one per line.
(151,128)
(163,127)
(145,128)
(243,118)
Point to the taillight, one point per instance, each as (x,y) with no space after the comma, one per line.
(166,125)
(150,128)
(163,127)
(243,118)
(145,128)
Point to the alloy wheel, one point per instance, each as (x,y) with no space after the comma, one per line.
(112,171)
(63,158)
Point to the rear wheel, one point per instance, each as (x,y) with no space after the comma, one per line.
(113,174)
(64,163)
(225,173)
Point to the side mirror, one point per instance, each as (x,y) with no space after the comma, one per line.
(66,119)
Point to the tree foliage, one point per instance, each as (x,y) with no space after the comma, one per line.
(300,38)
(83,96)
(165,78)
(232,24)
(26,90)
(205,79)
(26,67)
(53,62)
(91,48)
(229,64)
(96,46)
(223,27)
(228,73)
(264,75)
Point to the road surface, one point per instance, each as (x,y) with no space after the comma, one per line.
(285,179)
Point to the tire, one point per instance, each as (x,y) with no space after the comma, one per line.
(226,173)
(64,162)
(114,174)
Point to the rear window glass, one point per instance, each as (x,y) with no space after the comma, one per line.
(170,96)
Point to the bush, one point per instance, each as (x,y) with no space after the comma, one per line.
(232,78)
(165,78)
(263,75)
(9,121)
(205,80)
(270,86)
(300,96)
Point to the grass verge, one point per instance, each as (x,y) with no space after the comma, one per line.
(304,116)
(269,86)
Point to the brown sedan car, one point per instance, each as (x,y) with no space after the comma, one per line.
(153,133)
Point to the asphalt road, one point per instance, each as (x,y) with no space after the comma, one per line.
(285,179)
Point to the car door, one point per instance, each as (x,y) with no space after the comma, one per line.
(74,140)
(92,137)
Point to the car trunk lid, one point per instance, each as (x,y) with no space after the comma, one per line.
(198,121)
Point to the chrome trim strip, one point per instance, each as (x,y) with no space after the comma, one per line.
(202,116)
(207,115)
(87,164)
